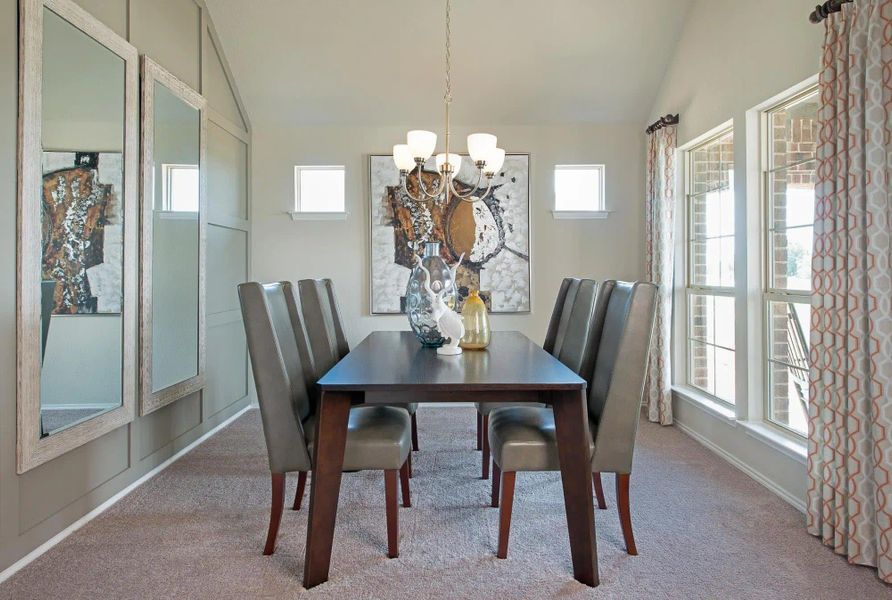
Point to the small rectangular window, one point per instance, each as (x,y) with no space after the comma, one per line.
(579,192)
(319,192)
(180,188)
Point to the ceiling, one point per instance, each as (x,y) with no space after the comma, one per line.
(515,62)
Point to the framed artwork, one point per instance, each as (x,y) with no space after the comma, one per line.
(493,234)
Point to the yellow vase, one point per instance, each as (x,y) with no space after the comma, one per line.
(476,320)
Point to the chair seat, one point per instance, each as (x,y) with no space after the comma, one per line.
(378,438)
(522,438)
(484,408)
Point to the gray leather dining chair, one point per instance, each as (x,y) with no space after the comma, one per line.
(325,330)
(572,337)
(378,437)
(523,438)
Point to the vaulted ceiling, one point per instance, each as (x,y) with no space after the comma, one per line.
(515,62)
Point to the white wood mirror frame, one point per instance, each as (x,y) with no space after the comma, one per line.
(152,75)
(33,447)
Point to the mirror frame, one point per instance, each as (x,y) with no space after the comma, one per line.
(31,449)
(152,74)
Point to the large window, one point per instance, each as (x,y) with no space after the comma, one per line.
(789,176)
(710,266)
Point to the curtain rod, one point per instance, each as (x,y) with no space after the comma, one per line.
(669,119)
(822,11)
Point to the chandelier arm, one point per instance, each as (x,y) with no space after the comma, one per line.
(482,196)
(428,194)
(472,190)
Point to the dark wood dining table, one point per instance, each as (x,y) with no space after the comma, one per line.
(392,366)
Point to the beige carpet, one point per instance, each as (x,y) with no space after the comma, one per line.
(704,530)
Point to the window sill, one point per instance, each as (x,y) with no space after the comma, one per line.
(580,214)
(716,409)
(318,216)
(787,444)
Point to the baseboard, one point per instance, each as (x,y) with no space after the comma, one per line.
(31,556)
(446,405)
(95,406)
(740,465)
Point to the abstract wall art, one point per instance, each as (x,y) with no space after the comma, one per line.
(83,231)
(493,234)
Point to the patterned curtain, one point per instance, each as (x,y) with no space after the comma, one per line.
(660,248)
(850,419)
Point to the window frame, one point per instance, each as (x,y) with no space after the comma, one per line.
(600,212)
(297,213)
(691,289)
(768,292)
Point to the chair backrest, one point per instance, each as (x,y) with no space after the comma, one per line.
(279,374)
(585,320)
(620,370)
(325,329)
(554,324)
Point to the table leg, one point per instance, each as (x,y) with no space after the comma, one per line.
(571,429)
(331,439)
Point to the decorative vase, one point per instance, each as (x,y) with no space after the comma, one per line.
(418,303)
(476,319)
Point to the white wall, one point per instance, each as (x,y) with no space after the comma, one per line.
(285,249)
(732,57)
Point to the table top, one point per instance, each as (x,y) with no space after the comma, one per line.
(396,361)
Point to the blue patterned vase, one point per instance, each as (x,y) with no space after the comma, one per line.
(418,304)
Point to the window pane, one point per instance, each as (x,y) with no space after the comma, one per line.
(788,332)
(793,196)
(724,321)
(724,375)
(791,261)
(788,394)
(321,190)
(577,189)
(701,366)
(712,262)
(180,188)
(702,318)
(712,165)
(794,132)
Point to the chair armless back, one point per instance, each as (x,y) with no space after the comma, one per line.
(582,335)
(278,374)
(619,375)
(554,323)
(323,321)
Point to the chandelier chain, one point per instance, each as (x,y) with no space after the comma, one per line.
(448,96)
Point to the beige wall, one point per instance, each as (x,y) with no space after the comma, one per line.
(285,249)
(732,57)
(37,505)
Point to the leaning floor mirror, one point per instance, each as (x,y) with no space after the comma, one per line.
(173,239)
(77,246)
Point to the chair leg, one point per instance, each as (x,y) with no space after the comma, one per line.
(404,483)
(599,490)
(625,515)
(409,461)
(496,480)
(390,505)
(479,432)
(485,435)
(506,504)
(415,433)
(275,512)
(301,485)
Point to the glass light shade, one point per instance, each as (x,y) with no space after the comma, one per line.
(421,143)
(454,160)
(402,157)
(476,320)
(494,161)
(481,145)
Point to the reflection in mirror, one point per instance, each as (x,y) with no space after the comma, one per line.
(175,239)
(82,221)
(173,229)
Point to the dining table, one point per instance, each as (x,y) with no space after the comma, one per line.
(393,367)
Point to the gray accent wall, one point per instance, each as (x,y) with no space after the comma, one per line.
(39,504)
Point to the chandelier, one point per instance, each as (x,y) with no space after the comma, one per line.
(420,145)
